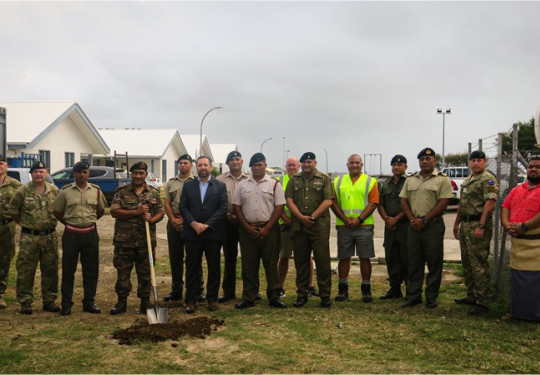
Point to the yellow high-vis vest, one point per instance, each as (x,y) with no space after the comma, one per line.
(284,181)
(353,199)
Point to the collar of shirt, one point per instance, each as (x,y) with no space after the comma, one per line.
(190,177)
(241,177)
(265,178)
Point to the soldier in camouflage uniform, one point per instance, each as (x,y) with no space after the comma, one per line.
(8,186)
(131,206)
(31,207)
(474,227)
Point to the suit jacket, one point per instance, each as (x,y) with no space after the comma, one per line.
(212,211)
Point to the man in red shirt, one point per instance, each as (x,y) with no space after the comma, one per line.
(520,217)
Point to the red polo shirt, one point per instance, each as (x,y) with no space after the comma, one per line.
(523,203)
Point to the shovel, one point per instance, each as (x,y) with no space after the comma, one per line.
(157,315)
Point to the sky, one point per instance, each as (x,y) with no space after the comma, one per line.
(334,78)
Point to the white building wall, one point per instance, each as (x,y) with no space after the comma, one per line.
(172,170)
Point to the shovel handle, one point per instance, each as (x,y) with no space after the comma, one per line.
(150,256)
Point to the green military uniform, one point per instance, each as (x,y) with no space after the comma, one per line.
(475,191)
(427,245)
(80,238)
(7,231)
(308,193)
(130,245)
(38,241)
(395,240)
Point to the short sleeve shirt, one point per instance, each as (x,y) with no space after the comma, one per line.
(7,189)
(389,196)
(309,192)
(523,202)
(131,232)
(423,194)
(173,191)
(35,211)
(80,206)
(475,191)
(231,183)
(258,199)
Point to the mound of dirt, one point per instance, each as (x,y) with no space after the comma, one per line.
(141,330)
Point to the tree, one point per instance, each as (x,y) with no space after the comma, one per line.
(457,160)
(526,140)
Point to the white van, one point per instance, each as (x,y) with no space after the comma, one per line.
(457,175)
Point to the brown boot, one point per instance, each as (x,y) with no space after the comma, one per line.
(26,308)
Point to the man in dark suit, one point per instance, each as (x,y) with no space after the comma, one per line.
(203,205)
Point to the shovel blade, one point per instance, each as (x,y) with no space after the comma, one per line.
(157,315)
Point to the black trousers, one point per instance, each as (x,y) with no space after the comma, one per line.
(194,252)
(85,245)
(230,254)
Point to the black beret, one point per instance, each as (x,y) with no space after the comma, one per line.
(139,165)
(2,158)
(398,159)
(37,165)
(426,152)
(232,154)
(256,158)
(185,157)
(307,155)
(477,155)
(80,166)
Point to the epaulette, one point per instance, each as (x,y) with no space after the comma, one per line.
(415,174)
(121,187)
(441,174)
(170,179)
(299,174)
(66,186)
(152,187)
(96,186)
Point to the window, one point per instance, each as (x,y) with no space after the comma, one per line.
(69,159)
(164,170)
(45,156)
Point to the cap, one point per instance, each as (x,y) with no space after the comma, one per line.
(426,152)
(398,159)
(256,158)
(306,156)
(477,155)
(139,165)
(2,158)
(80,166)
(37,165)
(185,157)
(231,155)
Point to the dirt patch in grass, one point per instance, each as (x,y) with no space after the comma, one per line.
(141,330)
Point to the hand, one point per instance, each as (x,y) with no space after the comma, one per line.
(391,222)
(253,232)
(287,221)
(478,233)
(199,227)
(263,232)
(417,224)
(510,229)
(142,209)
(147,216)
(456,231)
(307,221)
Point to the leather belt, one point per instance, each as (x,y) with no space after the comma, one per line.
(5,221)
(44,232)
(258,224)
(529,237)
(76,229)
(467,218)
(433,219)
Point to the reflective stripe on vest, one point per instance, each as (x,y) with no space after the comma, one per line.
(285,207)
(352,206)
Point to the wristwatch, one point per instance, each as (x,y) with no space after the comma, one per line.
(360,220)
(481,226)
(524,227)
(425,221)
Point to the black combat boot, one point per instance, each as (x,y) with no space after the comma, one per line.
(343,292)
(145,304)
(120,307)
(366,293)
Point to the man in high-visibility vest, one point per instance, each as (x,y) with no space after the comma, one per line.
(292,166)
(356,197)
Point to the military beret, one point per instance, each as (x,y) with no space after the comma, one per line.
(80,166)
(398,159)
(256,158)
(231,155)
(477,155)
(306,156)
(139,165)
(37,165)
(2,158)
(426,152)
(185,157)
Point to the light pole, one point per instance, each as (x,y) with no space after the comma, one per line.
(444,113)
(266,140)
(326,152)
(283,153)
(202,122)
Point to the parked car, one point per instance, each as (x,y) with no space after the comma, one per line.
(153,181)
(457,175)
(104,177)
(23,175)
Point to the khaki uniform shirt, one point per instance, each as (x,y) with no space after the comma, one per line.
(131,232)
(80,206)
(258,199)
(423,195)
(7,189)
(173,191)
(389,196)
(34,210)
(475,191)
(231,183)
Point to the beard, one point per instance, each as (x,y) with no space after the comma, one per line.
(533,180)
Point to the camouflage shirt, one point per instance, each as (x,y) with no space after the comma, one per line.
(35,211)
(131,232)
(475,191)
(7,189)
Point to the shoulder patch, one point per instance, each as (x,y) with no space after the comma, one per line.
(490,182)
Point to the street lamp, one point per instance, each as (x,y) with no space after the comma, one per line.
(326,152)
(443,113)
(266,140)
(202,121)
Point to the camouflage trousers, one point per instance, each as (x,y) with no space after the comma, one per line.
(34,250)
(7,250)
(474,258)
(123,260)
